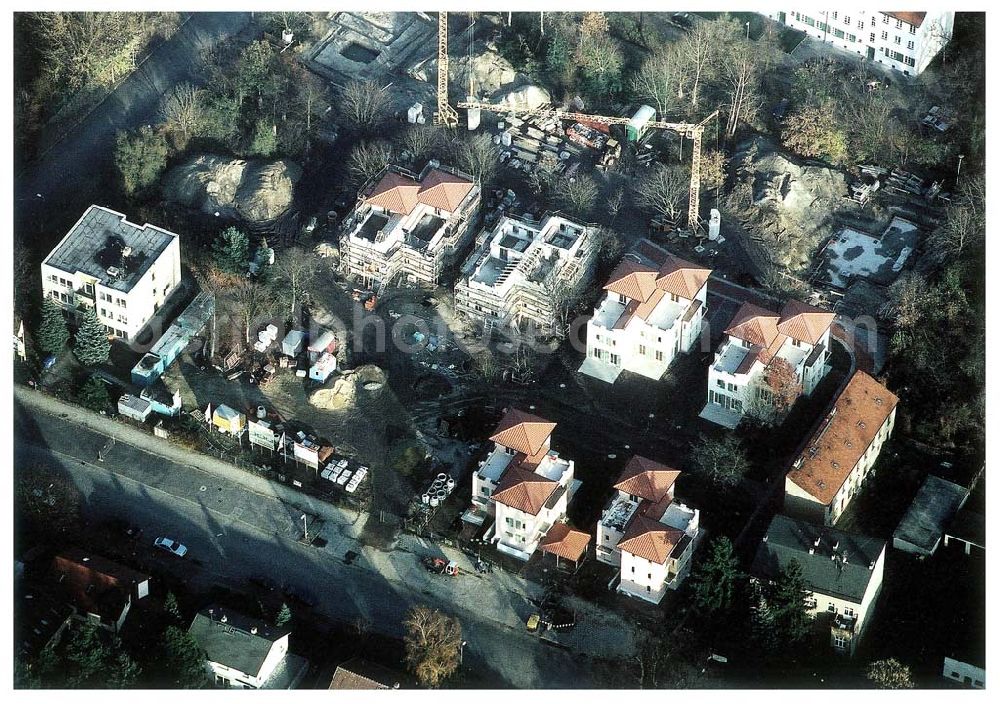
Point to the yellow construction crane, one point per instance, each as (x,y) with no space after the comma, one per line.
(692,131)
(446,115)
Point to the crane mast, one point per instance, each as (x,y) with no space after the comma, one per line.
(446,115)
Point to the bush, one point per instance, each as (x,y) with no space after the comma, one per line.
(140,158)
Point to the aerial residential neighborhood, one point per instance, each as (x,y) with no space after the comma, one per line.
(358,349)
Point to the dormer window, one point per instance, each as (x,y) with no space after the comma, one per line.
(622,299)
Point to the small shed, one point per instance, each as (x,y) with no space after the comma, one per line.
(326,341)
(933,508)
(134,407)
(292,345)
(637,125)
(228,420)
(566,544)
(323,368)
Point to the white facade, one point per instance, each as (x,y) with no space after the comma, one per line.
(225,676)
(651,580)
(74,275)
(904,41)
(525,272)
(964,673)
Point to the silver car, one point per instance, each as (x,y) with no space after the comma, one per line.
(171,546)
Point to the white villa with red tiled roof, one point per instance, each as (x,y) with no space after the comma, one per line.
(756,339)
(409,225)
(905,41)
(646,532)
(523,483)
(654,309)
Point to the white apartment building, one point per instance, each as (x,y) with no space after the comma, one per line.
(122,270)
(654,309)
(843,573)
(646,532)
(523,483)
(838,456)
(756,342)
(525,272)
(409,225)
(904,41)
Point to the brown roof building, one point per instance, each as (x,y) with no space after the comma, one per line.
(838,455)
(358,673)
(97,587)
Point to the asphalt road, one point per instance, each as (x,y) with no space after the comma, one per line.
(226,549)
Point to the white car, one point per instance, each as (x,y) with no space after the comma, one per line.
(171,546)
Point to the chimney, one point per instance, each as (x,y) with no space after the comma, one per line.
(816,542)
(224,618)
(836,544)
(764,539)
(871,565)
(812,551)
(253,630)
(844,557)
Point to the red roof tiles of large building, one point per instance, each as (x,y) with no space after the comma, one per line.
(524,490)
(802,321)
(914,18)
(395,192)
(647,479)
(681,277)
(767,331)
(95,584)
(756,325)
(839,443)
(650,539)
(632,280)
(565,542)
(523,432)
(443,190)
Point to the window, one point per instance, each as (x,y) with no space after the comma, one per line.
(847,19)
(615,359)
(852,38)
(659,355)
(731,386)
(871,37)
(873,20)
(834,15)
(848,611)
(839,642)
(899,24)
(622,299)
(885,19)
(89,288)
(897,39)
(674,297)
(831,607)
(649,589)
(861,24)
(838,33)
(910,61)
(642,350)
(913,30)
(720,383)
(485,491)
(909,45)
(885,35)
(896,56)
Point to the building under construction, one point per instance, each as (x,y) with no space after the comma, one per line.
(408,225)
(525,272)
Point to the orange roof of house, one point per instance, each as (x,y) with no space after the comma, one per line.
(395,192)
(632,280)
(95,584)
(565,542)
(650,540)
(647,479)
(443,190)
(802,321)
(524,490)
(914,18)
(523,432)
(838,444)
(681,277)
(756,325)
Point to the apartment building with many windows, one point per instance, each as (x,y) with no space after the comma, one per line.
(904,41)
(757,342)
(409,225)
(838,457)
(653,310)
(123,271)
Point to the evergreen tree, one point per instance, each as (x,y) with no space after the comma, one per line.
(284,616)
(787,601)
(91,345)
(716,579)
(265,140)
(93,394)
(52,333)
(141,158)
(231,251)
(171,607)
(183,660)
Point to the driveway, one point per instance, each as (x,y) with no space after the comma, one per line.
(238,529)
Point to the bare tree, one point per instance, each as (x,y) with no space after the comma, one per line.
(364,103)
(664,190)
(253,300)
(721,460)
(478,157)
(577,195)
(700,48)
(296,271)
(421,141)
(615,202)
(181,108)
(774,393)
(964,226)
(662,79)
(367,159)
(740,69)
(433,644)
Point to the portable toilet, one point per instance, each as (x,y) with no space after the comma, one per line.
(637,125)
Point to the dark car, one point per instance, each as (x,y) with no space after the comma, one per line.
(682,20)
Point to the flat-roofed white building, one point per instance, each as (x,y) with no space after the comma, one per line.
(409,225)
(653,310)
(122,270)
(525,272)
(904,41)
(646,532)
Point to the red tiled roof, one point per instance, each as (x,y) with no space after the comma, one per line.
(632,280)
(647,479)
(681,277)
(523,432)
(524,490)
(841,440)
(395,192)
(565,542)
(95,584)
(802,321)
(443,190)
(914,18)
(650,540)
(756,325)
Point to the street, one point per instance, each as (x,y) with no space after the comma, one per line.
(234,533)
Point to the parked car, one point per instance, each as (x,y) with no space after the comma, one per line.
(171,546)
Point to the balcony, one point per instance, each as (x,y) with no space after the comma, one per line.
(844,622)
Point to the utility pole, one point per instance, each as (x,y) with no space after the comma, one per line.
(748,30)
(305,527)
(959,169)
